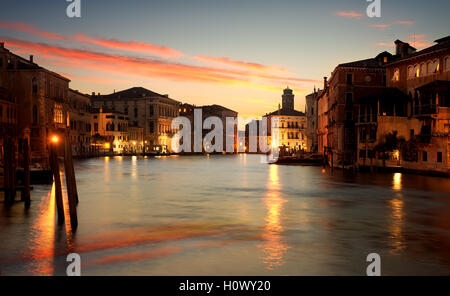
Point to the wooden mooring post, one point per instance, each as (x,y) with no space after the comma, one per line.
(9,170)
(57,177)
(71,185)
(26,176)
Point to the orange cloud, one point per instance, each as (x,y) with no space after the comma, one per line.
(147,67)
(417,37)
(242,64)
(133,46)
(349,14)
(14,26)
(404,22)
(380,26)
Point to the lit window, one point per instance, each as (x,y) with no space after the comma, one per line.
(435,68)
(416,71)
(58,114)
(447,64)
(396,76)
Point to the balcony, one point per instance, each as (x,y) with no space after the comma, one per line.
(367,119)
(425,110)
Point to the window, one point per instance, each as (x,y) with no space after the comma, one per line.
(411,133)
(435,67)
(411,73)
(152,127)
(96,127)
(349,98)
(429,68)
(58,114)
(349,78)
(423,70)
(424,156)
(135,112)
(447,64)
(362,154)
(152,110)
(34,83)
(349,116)
(35,115)
(439,157)
(416,71)
(396,76)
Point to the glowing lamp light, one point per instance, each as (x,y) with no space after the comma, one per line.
(54,139)
(107,145)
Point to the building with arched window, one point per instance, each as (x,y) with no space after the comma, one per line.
(41,97)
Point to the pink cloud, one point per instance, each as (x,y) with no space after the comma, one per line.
(404,22)
(380,26)
(417,37)
(15,26)
(133,46)
(236,63)
(349,14)
(147,67)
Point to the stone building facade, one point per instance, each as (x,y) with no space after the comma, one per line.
(221,112)
(312,121)
(43,99)
(146,109)
(109,130)
(338,106)
(424,76)
(291,125)
(79,123)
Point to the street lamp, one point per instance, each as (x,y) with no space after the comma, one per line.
(54,139)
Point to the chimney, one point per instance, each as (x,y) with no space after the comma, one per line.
(325,82)
(93,94)
(2,44)
(31,58)
(403,49)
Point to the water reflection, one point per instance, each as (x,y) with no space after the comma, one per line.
(274,246)
(397,182)
(42,241)
(397,240)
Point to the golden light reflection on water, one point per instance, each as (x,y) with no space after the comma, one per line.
(274,246)
(397,239)
(134,167)
(42,241)
(397,181)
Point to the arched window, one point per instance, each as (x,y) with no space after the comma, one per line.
(435,68)
(416,71)
(410,72)
(35,115)
(429,68)
(447,64)
(34,84)
(396,76)
(423,70)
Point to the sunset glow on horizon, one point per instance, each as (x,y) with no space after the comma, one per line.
(243,60)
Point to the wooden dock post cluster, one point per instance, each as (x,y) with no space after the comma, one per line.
(10,186)
(9,170)
(72,193)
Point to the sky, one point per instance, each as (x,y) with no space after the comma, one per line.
(239,54)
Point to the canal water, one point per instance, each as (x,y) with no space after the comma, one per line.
(232,215)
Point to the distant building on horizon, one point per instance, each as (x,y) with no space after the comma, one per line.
(187,110)
(312,121)
(291,124)
(146,109)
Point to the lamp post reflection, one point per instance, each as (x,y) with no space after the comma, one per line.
(396,205)
(274,246)
(41,245)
